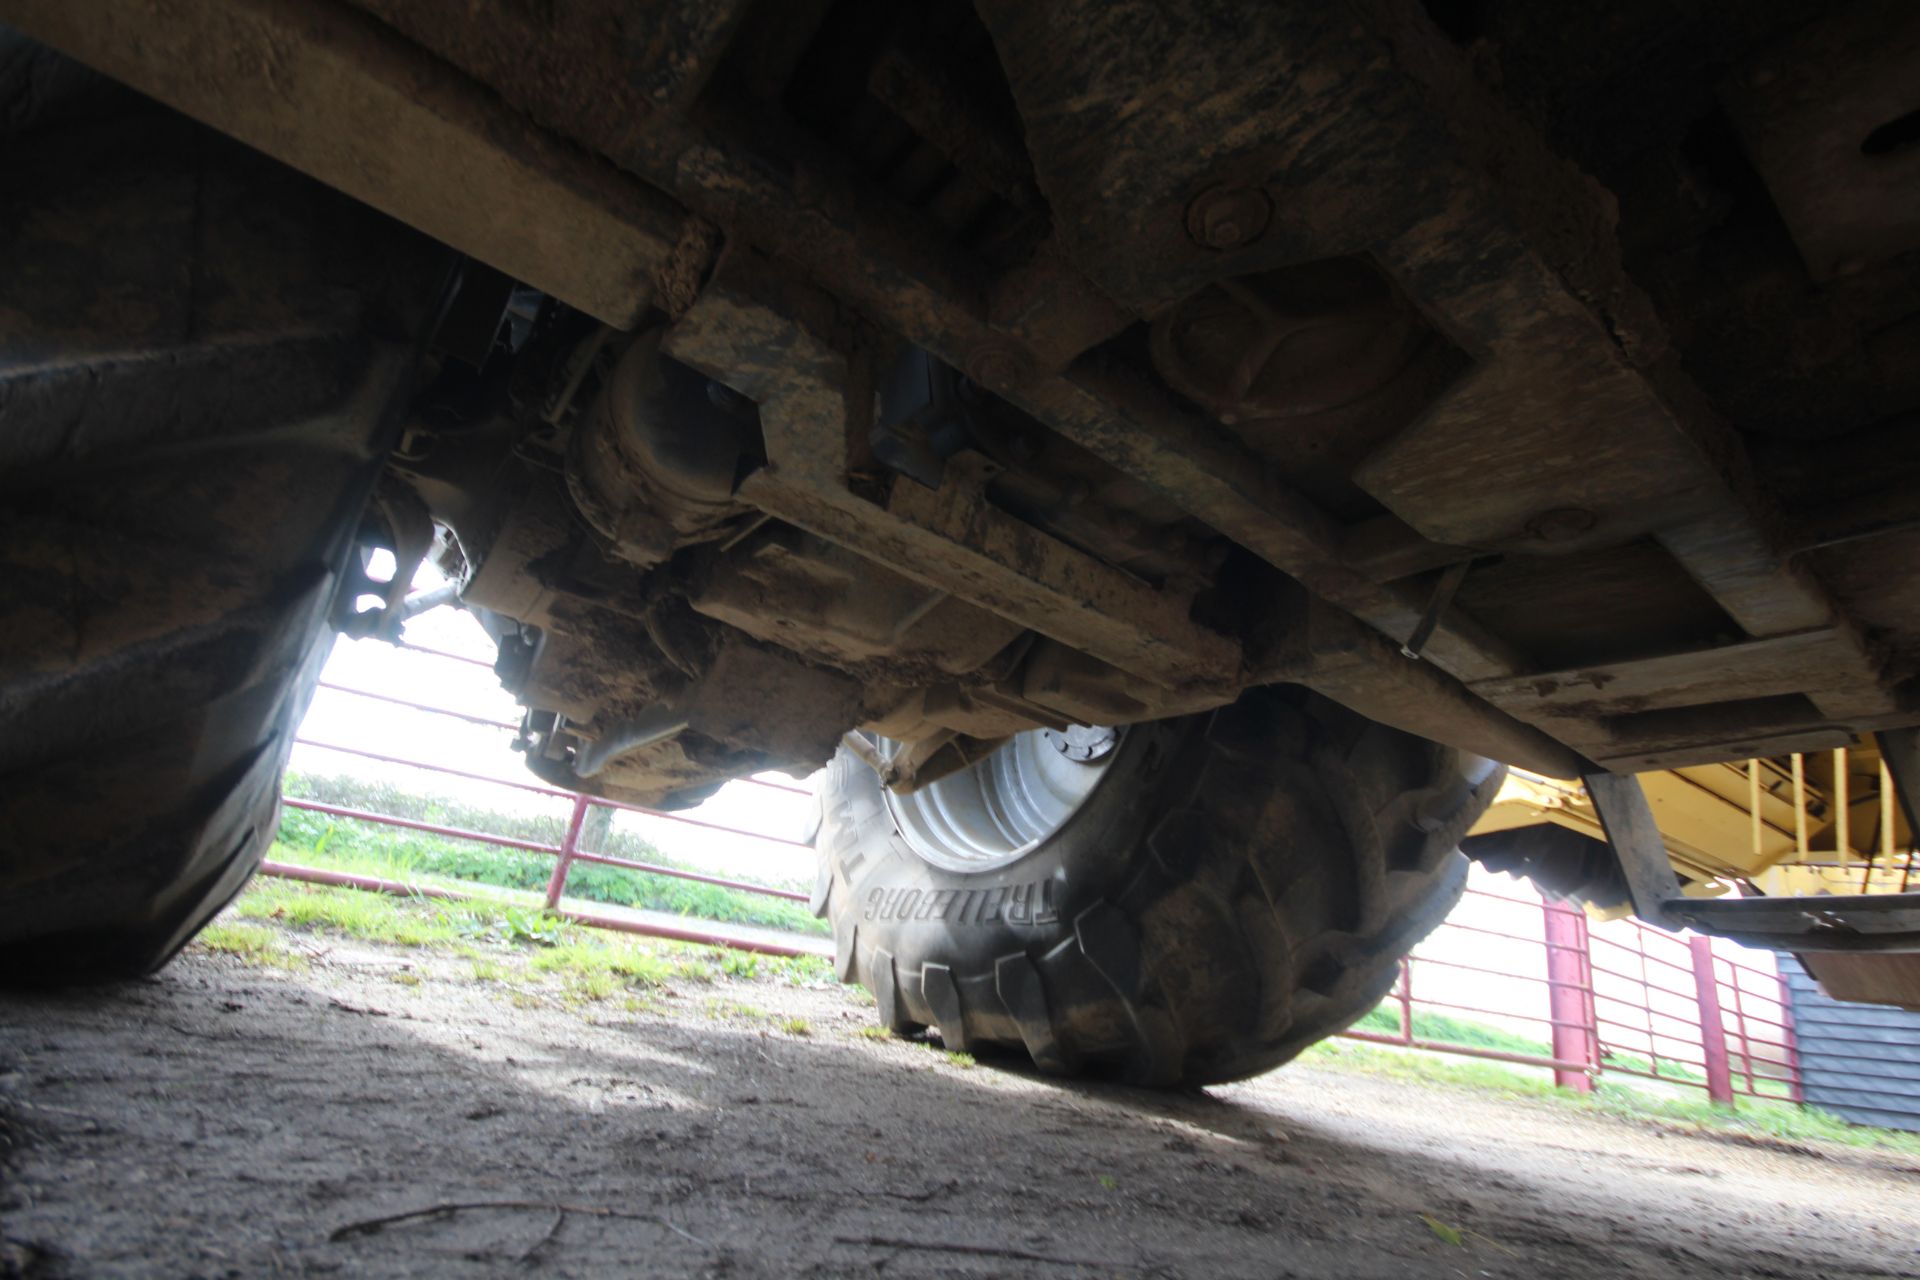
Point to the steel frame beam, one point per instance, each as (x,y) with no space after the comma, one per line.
(335,95)
(770,338)
(1870,922)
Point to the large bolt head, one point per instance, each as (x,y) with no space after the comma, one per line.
(1228,217)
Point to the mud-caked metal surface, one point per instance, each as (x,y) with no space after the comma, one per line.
(959,370)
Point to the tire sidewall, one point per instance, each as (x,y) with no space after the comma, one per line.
(921,913)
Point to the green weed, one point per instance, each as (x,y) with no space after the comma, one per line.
(693,971)
(355,913)
(501,942)
(723,1009)
(630,966)
(252,944)
(796,971)
(485,970)
(594,986)
(533,928)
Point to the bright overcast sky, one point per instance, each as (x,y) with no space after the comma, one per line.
(345,720)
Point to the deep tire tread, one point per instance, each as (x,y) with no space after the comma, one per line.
(1220,951)
(212,361)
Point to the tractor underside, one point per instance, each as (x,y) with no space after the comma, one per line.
(1538,379)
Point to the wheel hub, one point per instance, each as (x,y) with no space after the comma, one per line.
(997,811)
(1083,743)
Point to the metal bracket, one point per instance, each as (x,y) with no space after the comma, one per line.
(1827,922)
(1878,922)
(1443,593)
(1628,821)
(410,529)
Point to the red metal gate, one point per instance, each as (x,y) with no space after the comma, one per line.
(1619,998)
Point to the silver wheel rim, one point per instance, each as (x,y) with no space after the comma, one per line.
(997,811)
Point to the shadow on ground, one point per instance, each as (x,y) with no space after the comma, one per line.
(220,1120)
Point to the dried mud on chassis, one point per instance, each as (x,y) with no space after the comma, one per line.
(227,1120)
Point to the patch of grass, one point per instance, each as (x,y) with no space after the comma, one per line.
(1783,1120)
(526,926)
(796,1026)
(358,914)
(238,939)
(587,958)
(1416,1067)
(694,971)
(348,844)
(1752,1116)
(485,970)
(501,943)
(958,1059)
(484,933)
(252,944)
(797,971)
(874,1031)
(722,1009)
(1384,1018)
(406,978)
(593,986)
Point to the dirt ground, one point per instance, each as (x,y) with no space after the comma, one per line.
(228,1120)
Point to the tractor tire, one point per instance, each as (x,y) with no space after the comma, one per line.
(202,373)
(1239,885)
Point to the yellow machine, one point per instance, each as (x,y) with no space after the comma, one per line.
(1825,823)
(1801,824)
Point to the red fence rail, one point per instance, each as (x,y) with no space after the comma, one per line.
(1683,1011)
(1560,990)
(566,854)
(1614,999)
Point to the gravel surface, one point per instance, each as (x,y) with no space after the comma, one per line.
(223,1119)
